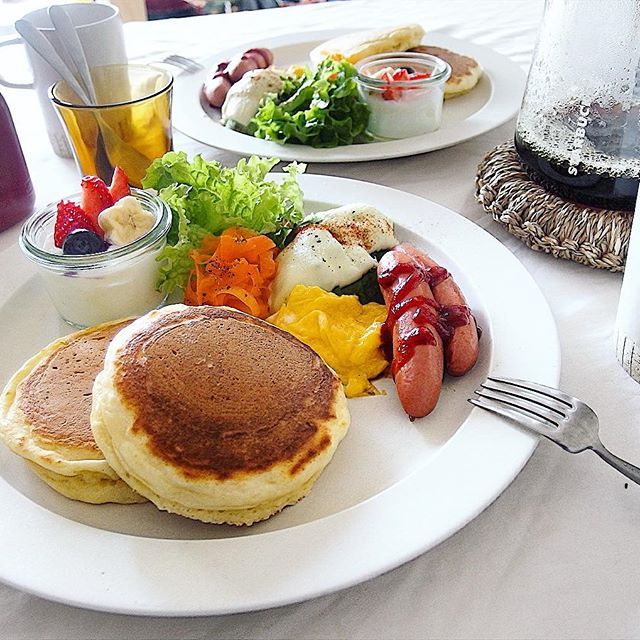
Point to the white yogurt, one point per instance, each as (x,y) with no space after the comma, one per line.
(100,287)
(117,290)
(403,109)
(414,113)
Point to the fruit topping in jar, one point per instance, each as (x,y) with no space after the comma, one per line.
(122,224)
(119,184)
(71,217)
(95,196)
(125,221)
(391,76)
(81,242)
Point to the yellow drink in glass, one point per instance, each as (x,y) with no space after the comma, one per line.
(130,126)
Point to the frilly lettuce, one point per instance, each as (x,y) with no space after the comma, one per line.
(206,197)
(322,108)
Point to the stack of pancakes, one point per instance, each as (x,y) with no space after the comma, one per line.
(205,411)
(45,411)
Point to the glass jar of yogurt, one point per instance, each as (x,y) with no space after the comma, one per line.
(405,103)
(99,287)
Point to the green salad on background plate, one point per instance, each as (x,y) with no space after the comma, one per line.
(320,108)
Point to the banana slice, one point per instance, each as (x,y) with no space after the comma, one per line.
(125,221)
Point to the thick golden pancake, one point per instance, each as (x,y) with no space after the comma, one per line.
(216,415)
(45,411)
(465,71)
(362,44)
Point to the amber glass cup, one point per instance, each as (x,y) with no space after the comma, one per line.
(130,126)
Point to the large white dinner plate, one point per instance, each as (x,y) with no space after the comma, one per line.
(492,102)
(394,489)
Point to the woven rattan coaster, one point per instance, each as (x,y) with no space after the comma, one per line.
(595,237)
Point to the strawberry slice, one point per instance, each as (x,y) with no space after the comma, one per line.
(390,94)
(401,75)
(95,197)
(119,184)
(71,217)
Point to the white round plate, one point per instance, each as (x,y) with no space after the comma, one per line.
(494,100)
(394,489)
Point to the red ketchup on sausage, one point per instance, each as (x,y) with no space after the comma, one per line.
(445,318)
(429,327)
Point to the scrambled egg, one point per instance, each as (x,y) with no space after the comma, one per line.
(343,332)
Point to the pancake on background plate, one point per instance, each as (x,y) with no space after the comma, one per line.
(362,44)
(465,71)
(216,415)
(44,417)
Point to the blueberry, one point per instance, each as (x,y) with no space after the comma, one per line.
(82,242)
(407,69)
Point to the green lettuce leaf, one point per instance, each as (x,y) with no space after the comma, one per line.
(206,197)
(321,109)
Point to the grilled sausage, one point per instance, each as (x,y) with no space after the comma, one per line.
(215,90)
(239,65)
(228,72)
(258,56)
(461,350)
(417,364)
(267,54)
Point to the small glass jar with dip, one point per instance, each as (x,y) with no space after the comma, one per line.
(404,92)
(99,287)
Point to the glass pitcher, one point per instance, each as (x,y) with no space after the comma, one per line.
(578,131)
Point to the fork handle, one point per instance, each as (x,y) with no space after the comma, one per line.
(626,468)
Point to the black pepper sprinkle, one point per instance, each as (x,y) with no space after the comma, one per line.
(626,485)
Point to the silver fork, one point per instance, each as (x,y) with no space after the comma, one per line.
(561,418)
(189,65)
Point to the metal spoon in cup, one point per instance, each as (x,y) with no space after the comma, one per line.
(107,138)
(48,52)
(40,44)
(69,40)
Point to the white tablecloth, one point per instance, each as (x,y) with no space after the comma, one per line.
(557,554)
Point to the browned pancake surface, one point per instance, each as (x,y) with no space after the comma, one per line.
(460,65)
(55,397)
(219,393)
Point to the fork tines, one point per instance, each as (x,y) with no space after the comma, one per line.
(549,392)
(537,406)
(184,63)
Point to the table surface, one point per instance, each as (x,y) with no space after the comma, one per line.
(556,555)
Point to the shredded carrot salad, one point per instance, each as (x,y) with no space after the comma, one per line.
(234,269)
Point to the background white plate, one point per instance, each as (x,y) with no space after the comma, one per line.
(492,102)
(394,489)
